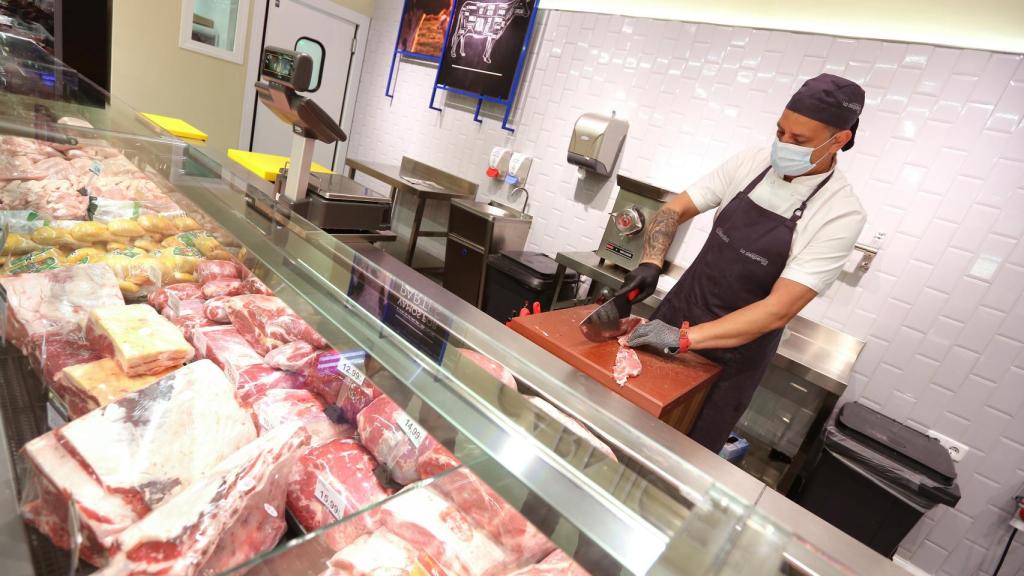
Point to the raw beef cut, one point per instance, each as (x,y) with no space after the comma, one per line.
(222,287)
(276,408)
(54,354)
(57,303)
(216,309)
(143,341)
(504,375)
(557,563)
(331,482)
(178,309)
(328,379)
(253,381)
(253,285)
(572,424)
(225,347)
(293,357)
(85,387)
(183,291)
(489,512)
(435,460)
(189,324)
(380,553)
(57,478)
(225,518)
(627,365)
(267,322)
(151,443)
(207,270)
(395,439)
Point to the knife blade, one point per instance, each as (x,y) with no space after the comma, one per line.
(604,323)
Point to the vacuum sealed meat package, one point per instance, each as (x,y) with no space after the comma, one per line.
(267,322)
(379,552)
(254,381)
(51,355)
(183,291)
(558,563)
(336,378)
(57,303)
(207,270)
(85,387)
(398,442)
(332,481)
(225,518)
(222,287)
(142,341)
(275,408)
(225,347)
(216,309)
(294,357)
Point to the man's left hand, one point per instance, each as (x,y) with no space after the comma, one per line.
(663,337)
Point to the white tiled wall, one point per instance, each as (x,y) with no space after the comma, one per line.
(939,165)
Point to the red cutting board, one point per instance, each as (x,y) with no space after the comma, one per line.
(663,384)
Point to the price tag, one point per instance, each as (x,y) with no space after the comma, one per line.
(413,430)
(330,499)
(96,167)
(350,371)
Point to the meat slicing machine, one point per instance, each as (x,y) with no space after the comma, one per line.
(335,203)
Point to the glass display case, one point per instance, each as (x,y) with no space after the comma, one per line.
(494,441)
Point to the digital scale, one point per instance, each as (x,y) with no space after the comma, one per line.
(335,203)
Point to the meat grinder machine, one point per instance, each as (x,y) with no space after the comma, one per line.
(634,208)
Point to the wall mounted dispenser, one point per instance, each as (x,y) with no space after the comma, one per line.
(597,142)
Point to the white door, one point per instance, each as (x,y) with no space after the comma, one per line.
(287,22)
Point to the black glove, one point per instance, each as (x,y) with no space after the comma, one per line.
(644,278)
(657,335)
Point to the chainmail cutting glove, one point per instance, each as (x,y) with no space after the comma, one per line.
(657,335)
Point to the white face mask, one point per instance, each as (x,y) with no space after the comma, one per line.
(791,159)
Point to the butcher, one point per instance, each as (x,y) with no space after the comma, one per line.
(786,223)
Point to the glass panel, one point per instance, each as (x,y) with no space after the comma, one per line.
(213,23)
(316,50)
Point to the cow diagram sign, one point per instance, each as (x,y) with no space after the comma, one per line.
(486,48)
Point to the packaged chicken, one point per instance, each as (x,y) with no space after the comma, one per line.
(125,227)
(58,234)
(38,261)
(147,244)
(86,256)
(156,224)
(202,241)
(90,232)
(176,261)
(17,244)
(142,341)
(107,210)
(139,273)
(185,223)
(85,387)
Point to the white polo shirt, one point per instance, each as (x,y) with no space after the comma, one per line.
(824,236)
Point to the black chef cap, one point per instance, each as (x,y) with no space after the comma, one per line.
(831,100)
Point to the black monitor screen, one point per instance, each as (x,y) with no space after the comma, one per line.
(278,66)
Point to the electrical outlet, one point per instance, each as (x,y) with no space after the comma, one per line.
(957,451)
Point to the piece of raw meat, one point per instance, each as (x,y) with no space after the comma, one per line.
(58,302)
(489,512)
(558,563)
(435,460)
(225,518)
(253,285)
(57,478)
(183,291)
(222,287)
(216,309)
(267,322)
(226,348)
(152,443)
(627,365)
(54,354)
(331,482)
(380,553)
(142,341)
(294,357)
(189,324)
(85,387)
(328,379)
(573,425)
(207,270)
(177,309)
(253,381)
(504,375)
(276,408)
(395,440)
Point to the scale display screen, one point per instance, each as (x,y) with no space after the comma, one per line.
(279,66)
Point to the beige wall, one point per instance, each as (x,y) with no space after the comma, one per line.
(987,24)
(152,74)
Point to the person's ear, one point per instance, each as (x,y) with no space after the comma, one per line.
(842,137)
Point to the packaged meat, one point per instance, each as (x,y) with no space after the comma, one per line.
(267,322)
(176,263)
(143,341)
(395,440)
(56,479)
(39,261)
(178,309)
(57,303)
(489,512)
(226,348)
(558,563)
(504,375)
(190,323)
(182,291)
(138,273)
(337,379)
(572,424)
(152,443)
(253,381)
(221,287)
(332,481)
(378,553)
(294,357)
(225,518)
(275,408)
(207,270)
(253,285)
(55,353)
(85,387)
(216,309)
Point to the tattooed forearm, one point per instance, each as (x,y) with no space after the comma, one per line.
(659,235)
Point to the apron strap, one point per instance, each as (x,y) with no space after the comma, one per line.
(753,183)
(799,212)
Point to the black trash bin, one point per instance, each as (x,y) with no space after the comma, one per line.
(875,478)
(517,279)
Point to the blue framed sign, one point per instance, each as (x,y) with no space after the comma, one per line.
(485,51)
(421,33)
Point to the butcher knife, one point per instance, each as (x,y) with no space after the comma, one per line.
(604,323)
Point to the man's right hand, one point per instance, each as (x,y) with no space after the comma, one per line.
(643,278)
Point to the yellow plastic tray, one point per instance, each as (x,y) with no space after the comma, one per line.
(176,126)
(266,166)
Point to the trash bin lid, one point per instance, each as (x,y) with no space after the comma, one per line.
(925,454)
(532,269)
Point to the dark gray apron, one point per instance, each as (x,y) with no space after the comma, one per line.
(738,265)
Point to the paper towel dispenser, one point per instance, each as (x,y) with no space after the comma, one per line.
(597,141)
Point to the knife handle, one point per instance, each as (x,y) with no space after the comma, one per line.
(633,294)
